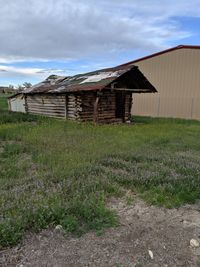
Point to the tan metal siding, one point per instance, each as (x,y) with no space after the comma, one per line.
(176,76)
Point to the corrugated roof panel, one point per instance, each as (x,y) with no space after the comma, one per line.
(96,80)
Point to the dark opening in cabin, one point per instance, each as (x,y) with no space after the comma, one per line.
(120,105)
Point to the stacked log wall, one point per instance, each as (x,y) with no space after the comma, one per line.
(87,105)
(74,106)
(107,107)
(78,106)
(47,105)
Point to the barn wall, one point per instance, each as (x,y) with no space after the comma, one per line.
(176,77)
(48,105)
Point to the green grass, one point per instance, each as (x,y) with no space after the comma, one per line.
(61,172)
(9,117)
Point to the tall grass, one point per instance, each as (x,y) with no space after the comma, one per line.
(61,172)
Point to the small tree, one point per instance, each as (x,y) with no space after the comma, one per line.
(27,85)
(20,88)
(11,87)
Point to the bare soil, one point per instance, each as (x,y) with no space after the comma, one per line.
(166,232)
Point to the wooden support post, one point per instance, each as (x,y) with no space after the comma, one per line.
(9,106)
(124,105)
(130,106)
(95,117)
(66,106)
(26,105)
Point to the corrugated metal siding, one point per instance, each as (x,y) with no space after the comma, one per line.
(48,105)
(176,76)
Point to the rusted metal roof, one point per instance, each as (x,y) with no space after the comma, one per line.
(96,80)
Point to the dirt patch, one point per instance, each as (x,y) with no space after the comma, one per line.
(165,232)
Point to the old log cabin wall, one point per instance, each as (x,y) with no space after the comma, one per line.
(106,107)
(81,106)
(45,104)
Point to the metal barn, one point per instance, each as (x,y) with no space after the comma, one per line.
(176,75)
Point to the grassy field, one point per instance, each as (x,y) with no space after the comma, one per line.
(61,172)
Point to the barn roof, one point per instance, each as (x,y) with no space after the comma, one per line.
(96,80)
(161,53)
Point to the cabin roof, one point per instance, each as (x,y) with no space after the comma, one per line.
(96,80)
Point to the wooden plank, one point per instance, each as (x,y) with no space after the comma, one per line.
(46,103)
(25,100)
(45,99)
(133,90)
(46,107)
(46,111)
(66,106)
(47,115)
(51,116)
(41,101)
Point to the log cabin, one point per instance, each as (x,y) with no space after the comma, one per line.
(103,96)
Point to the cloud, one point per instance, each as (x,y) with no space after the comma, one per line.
(65,37)
(24,71)
(70,30)
(10,71)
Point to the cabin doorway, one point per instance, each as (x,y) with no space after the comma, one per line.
(120,105)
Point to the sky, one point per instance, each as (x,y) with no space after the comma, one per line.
(63,37)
